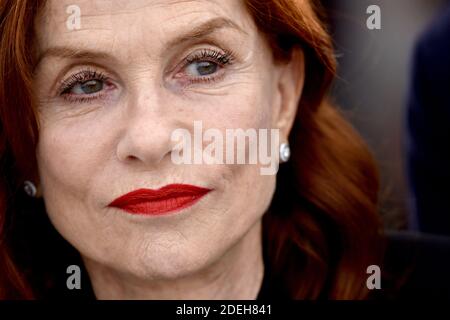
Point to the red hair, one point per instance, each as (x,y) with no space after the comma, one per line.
(322,229)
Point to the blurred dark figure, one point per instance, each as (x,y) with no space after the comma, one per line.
(428,120)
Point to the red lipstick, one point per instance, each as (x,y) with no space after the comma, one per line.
(167,199)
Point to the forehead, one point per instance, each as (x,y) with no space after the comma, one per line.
(110,19)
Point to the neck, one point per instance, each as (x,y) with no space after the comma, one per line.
(236,275)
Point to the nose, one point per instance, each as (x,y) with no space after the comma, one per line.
(147,130)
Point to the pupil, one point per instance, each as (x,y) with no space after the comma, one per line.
(92,86)
(206,67)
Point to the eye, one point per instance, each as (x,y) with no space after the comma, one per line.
(88,87)
(202,68)
(205,66)
(85,86)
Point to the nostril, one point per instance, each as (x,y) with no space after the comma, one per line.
(132,158)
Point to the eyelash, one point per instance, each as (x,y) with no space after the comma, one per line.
(80,78)
(221,58)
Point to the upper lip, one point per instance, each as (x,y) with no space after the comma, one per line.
(130,201)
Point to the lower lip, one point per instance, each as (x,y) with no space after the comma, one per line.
(162,207)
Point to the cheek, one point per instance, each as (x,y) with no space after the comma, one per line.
(66,159)
(246,198)
(248,108)
(252,188)
(69,162)
(246,102)
(248,192)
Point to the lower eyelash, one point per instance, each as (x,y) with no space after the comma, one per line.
(81,99)
(207,79)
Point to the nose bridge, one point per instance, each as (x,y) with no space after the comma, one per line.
(144,97)
(148,124)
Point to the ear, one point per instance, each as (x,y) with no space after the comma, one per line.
(291,78)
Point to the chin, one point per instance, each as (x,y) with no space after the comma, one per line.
(166,264)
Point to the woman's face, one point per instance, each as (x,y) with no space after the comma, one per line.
(112,92)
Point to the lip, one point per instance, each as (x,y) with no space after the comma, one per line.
(168,199)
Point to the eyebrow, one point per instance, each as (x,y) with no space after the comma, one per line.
(72,53)
(206,28)
(198,32)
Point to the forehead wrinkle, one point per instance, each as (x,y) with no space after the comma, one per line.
(163,32)
(118,7)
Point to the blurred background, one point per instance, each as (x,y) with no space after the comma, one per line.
(372,85)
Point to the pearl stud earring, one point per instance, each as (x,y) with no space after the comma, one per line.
(285,152)
(30,188)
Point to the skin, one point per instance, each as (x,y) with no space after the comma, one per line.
(91,152)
